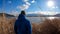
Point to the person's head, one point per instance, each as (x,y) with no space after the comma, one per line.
(23,12)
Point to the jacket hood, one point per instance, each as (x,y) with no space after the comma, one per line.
(21,17)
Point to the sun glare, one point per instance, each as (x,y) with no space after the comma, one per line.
(50,3)
(51,18)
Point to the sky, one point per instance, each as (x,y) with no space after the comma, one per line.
(49,7)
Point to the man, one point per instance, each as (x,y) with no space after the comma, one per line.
(22,25)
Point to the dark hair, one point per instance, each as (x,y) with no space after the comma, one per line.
(23,12)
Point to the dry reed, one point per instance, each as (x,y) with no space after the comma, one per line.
(47,27)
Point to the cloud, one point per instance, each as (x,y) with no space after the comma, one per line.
(26,5)
(9,1)
(15,13)
(55,7)
(25,0)
(33,1)
(49,13)
(43,12)
(23,7)
(32,12)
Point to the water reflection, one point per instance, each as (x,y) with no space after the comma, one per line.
(52,18)
(40,19)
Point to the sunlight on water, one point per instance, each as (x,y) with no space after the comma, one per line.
(51,18)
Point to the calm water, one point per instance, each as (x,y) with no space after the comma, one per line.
(39,19)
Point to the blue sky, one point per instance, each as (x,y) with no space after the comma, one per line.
(30,6)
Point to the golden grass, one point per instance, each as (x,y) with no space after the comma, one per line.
(6,26)
(47,27)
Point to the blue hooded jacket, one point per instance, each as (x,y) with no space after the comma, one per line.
(22,25)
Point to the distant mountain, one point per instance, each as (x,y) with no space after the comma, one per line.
(57,15)
(6,15)
(38,15)
(32,15)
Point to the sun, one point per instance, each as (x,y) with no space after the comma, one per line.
(50,3)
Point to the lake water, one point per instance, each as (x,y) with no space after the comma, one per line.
(39,19)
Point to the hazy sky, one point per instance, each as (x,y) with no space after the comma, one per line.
(30,6)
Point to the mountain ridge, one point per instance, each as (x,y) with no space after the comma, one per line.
(6,15)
